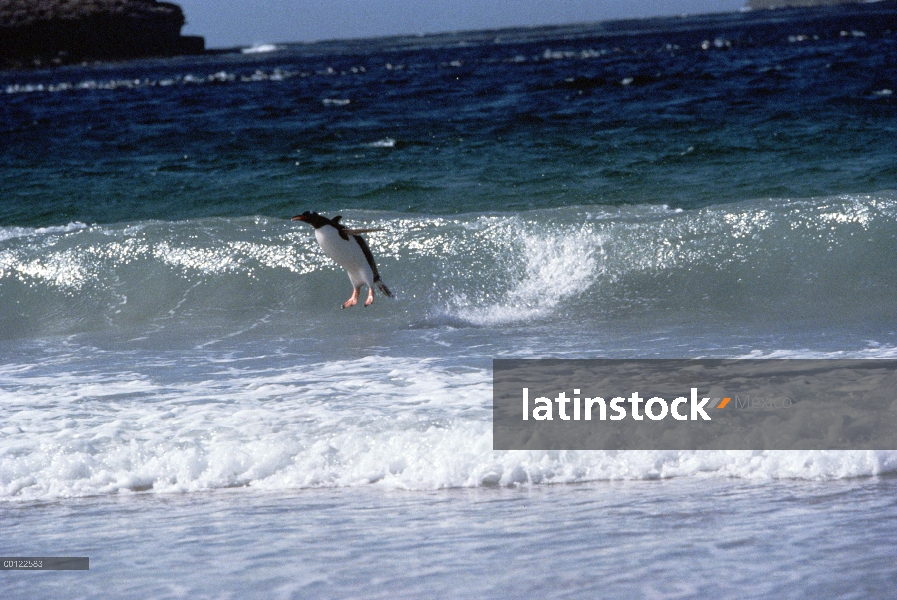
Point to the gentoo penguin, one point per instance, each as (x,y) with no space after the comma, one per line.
(349,250)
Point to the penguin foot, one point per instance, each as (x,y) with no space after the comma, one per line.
(353,300)
(370,300)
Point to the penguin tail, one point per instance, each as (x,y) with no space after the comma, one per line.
(382,287)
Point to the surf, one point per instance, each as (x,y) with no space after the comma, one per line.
(773,259)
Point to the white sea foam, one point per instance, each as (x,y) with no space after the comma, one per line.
(212,261)
(218,77)
(259,49)
(388,422)
(384,143)
(549,54)
(875,350)
(8,233)
(555,267)
(89,255)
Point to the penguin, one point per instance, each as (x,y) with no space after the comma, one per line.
(349,250)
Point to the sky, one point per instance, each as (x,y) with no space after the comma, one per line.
(229,23)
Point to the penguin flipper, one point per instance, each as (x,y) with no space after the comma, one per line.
(370,257)
(358,231)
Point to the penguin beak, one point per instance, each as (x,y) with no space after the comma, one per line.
(298,218)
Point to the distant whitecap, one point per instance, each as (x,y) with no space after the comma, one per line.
(259,49)
(384,143)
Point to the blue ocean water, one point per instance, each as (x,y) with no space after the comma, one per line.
(176,373)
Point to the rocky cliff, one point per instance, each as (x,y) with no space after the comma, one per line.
(37,32)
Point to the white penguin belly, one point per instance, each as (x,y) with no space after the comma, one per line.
(347,254)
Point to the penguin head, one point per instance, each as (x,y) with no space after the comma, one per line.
(312,218)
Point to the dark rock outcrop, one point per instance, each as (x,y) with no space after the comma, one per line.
(37,32)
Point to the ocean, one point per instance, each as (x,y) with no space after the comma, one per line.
(183,401)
